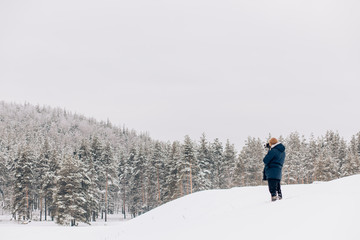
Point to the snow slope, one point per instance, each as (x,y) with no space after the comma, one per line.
(318,211)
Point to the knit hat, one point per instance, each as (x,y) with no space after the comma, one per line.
(273,141)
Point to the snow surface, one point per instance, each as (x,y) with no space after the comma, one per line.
(317,211)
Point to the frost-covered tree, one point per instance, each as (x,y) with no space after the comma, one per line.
(70,198)
(136,182)
(252,155)
(173,180)
(42,168)
(189,166)
(293,169)
(89,183)
(5,178)
(351,164)
(124,175)
(217,153)
(326,166)
(49,187)
(238,177)
(206,164)
(332,144)
(108,176)
(228,165)
(312,152)
(155,175)
(23,187)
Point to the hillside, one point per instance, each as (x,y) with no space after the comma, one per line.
(40,147)
(317,211)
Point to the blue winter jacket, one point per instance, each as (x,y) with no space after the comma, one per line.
(274,162)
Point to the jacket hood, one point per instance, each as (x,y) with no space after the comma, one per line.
(279,147)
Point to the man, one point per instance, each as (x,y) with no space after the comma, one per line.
(274,161)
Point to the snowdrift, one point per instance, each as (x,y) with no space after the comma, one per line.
(317,211)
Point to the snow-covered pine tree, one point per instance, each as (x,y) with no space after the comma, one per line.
(332,145)
(42,168)
(124,178)
(4,176)
(312,153)
(238,177)
(294,160)
(228,166)
(206,164)
(23,187)
(326,166)
(320,166)
(252,155)
(93,194)
(357,136)
(341,155)
(217,155)
(155,174)
(136,184)
(109,176)
(173,179)
(166,171)
(351,164)
(70,197)
(49,187)
(189,166)
(304,146)
(96,150)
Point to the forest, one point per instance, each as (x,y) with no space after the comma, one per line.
(64,167)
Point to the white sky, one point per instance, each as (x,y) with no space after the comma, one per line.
(230,68)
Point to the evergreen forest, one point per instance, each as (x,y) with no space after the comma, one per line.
(64,167)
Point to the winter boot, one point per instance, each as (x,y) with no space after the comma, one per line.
(273,198)
(279,196)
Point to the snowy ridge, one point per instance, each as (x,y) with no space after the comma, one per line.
(317,211)
(326,210)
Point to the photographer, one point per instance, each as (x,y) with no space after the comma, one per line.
(274,161)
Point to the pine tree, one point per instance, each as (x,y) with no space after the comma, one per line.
(326,164)
(238,178)
(190,167)
(332,145)
(42,168)
(156,173)
(312,153)
(70,198)
(351,164)
(206,165)
(49,187)
(228,166)
(124,178)
(4,175)
(96,151)
(23,184)
(173,179)
(252,155)
(321,166)
(109,175)
(217,153)
(89,183)
(294,159)
(136,197)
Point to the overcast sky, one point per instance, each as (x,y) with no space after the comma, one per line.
(229,68)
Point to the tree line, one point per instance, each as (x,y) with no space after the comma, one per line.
(64,167)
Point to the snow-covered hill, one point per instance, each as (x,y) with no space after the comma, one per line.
(318,211)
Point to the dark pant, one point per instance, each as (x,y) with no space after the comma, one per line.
(274,187)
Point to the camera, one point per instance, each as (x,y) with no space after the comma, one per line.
(267,145)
